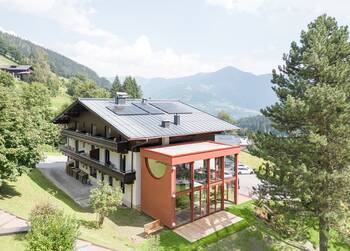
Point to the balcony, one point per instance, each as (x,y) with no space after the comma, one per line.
(111,143)
(127,177)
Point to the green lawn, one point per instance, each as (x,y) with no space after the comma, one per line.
(13,242)
(250,160)
(120,231)
(5,61)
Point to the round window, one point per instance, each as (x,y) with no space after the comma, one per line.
(156,168)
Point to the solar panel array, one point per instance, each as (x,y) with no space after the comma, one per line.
(148,108)
(127,110)
(173,108)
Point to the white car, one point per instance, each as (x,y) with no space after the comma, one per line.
(243,169)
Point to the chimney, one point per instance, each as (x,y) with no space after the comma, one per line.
(121,98)
(176,119)
(165,123)
(144,101)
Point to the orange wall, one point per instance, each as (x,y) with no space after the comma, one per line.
(156,199)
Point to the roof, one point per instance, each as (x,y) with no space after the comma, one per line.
(16,67)
(188,152)
(145,124)
(189,148)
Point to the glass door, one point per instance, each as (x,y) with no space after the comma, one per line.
(200,203)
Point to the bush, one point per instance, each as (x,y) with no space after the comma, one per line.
(51,229)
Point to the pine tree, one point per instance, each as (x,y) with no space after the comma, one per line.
(132,88)
(116,87)
(306,176)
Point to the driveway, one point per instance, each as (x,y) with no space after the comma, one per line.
(53,168)
(246,183)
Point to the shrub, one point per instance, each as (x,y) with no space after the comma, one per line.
(51,229)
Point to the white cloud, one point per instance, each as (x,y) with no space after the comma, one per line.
(70,14)
(278,8)
(138,58)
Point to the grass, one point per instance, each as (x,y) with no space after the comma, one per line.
(50,150)
(6,61)
(250,160)
(62,99)
(13,242)
(118,231)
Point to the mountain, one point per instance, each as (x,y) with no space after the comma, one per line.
(24,51)
(240,93)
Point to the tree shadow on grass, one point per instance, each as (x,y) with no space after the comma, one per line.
(129,217)
(49,187)
(245,211)
(8,191)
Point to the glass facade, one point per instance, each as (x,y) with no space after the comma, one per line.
(201,188)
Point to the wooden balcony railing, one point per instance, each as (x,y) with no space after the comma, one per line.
(127,177)
(118,146)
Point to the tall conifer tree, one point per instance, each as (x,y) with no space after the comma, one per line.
(306,176)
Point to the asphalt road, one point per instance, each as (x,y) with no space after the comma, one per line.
(246,183)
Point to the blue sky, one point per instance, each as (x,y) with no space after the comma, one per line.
(167,38)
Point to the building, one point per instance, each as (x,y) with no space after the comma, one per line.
(161,153)
(17,71)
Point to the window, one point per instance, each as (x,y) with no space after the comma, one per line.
(200,172)
(122,186)
(110,179)
(156,168)
(183,208)
(122,163)
(107,157)
(102,176)
(183,177)
(93,129)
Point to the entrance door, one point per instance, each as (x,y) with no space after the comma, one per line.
(200,203)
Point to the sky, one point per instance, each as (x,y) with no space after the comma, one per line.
(166,38)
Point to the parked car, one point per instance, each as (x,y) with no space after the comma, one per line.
(243,169)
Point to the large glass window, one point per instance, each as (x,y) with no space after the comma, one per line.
(200,203)
(183,208)
(156,168)
(229,193)
(215,170)
(215,198)
(183,177)
(200,172)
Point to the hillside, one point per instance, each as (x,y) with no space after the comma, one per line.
(25,51)
(5,61)
(240,93)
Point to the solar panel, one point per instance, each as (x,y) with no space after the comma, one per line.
(148,108)
(172,107)
(127,110)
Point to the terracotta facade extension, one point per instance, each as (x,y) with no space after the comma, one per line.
(200,187)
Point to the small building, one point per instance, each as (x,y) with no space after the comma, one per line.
(18,71)
(161,153)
